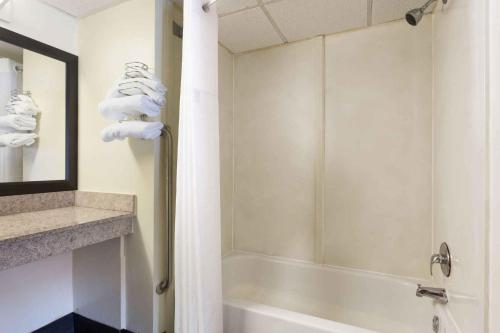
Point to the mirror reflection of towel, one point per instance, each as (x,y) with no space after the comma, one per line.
(25,108)
(15,122)
(14,140)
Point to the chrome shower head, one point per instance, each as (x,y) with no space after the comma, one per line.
(415,15)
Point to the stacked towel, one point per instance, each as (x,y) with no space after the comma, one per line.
(15,122)
(137,72)
(127,107)
(14,140)
(136,129)
(22,108)
(136,94)
(130,88)
(151,83)
(21,112)
(23,105)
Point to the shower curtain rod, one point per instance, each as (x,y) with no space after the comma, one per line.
(206,6)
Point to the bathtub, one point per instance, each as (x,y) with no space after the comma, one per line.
(274,295)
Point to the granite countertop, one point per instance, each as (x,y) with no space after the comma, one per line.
(34,227)
(30,224)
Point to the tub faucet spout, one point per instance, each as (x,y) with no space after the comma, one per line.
(438,294)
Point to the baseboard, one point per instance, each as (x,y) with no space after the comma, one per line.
(75,323)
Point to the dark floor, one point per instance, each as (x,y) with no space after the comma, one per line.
(74,323)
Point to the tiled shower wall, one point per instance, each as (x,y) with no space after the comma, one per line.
(326,149)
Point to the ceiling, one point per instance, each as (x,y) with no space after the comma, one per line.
(81,8)
(246,25)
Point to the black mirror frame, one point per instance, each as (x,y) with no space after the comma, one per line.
(70,183)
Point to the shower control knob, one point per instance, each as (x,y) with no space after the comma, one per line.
(443,258)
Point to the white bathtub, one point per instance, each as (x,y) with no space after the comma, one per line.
(273,295)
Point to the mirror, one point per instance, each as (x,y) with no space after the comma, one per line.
(38,116)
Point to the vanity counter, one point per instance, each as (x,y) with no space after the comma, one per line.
(29,236)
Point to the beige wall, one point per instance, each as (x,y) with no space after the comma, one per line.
(333,149)
(46,159)
(277,126)
(169,63)
(121,166)
(226,107)
(494,231)
(379,149)
(460,155)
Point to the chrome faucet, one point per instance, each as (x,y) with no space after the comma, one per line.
(438,294)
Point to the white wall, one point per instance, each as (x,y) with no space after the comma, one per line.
(379,149)
(370,90)
(96,282)
(107,40)
(277,136)
(494,127)
(36,294)
(460,155)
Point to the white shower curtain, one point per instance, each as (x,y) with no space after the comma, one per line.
(198,290)
(11,159)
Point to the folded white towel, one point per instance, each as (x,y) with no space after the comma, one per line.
(136,88)
(129,106)
(17,123)
(23,97)
(137,72)
(25,108)
(17,139)
(154,84)
(136,129)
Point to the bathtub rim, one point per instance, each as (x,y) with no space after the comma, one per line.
(294,317)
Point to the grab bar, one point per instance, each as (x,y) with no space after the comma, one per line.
(165,284)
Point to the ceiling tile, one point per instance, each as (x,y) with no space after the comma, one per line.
(247,30)
(390,10)
(299,19)
(80,8)
(230,6)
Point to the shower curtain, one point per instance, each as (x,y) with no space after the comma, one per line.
(198,290)
(11,159)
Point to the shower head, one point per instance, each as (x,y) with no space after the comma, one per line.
(415,15)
